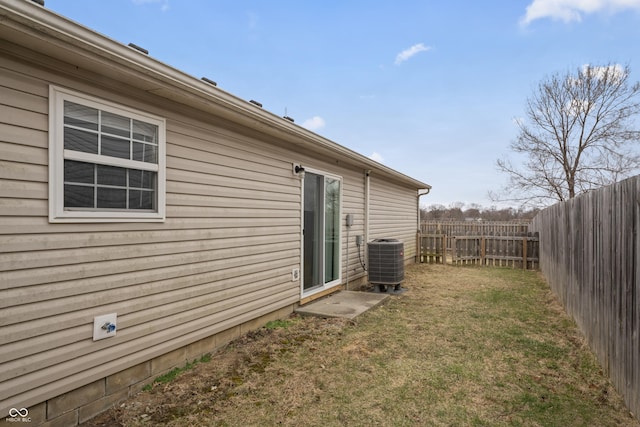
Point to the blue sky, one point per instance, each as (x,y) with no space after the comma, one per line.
(430,88)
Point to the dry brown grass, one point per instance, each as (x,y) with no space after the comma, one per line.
(463,347)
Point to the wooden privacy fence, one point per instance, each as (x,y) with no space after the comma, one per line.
(590,255)
(491,243)
(433,248)
(516,252)
(476,228)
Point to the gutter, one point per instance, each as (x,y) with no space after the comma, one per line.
(421,192)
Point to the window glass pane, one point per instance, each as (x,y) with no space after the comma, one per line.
(80,115)
(116,125)
(145,132)
(78,140)
(141,199)
(78,196)
(112,198)
(111,175)
(332,230)
(78,172)
(115,147)
(142,179)
(145,153)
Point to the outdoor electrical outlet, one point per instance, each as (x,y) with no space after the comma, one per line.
(349,220)
(104,326)
(295,274)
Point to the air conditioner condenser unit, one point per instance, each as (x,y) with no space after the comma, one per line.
(386,263)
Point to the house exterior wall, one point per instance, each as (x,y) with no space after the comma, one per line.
(393,214)
(222,258)
(219,265)
(224,255)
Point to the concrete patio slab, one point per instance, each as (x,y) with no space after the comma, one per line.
(347,304)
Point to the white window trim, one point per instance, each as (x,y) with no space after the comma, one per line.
(315,290)
(57,154)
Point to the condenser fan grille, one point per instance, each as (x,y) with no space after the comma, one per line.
(386,261)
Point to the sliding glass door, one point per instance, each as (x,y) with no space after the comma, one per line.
(321,222)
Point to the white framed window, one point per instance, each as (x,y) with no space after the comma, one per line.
(106,161)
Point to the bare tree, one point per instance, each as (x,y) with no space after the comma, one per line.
(579,133)
(475,211)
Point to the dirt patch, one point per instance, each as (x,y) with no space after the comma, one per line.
(464,346)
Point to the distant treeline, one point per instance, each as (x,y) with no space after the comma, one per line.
(462,212)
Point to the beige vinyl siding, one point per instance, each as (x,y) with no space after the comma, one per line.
(393,214)
(223,256)
(353,203)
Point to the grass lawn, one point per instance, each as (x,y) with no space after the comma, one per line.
(465,346)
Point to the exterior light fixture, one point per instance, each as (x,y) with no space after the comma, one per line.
(299,170)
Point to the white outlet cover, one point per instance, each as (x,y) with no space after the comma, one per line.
(295,274)
(99,321)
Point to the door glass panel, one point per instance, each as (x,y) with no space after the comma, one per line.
(332,230)
(321,230)
(313,229)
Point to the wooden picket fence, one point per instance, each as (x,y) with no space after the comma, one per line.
(476,228)
(505,244)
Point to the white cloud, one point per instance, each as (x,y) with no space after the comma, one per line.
(573,10)
(164,4)
(314,123)
(408,53)
(377,157)
(615,71)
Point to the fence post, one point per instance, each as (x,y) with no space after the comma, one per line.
(524,252)
(453,250)
(444,249)
(482,250)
